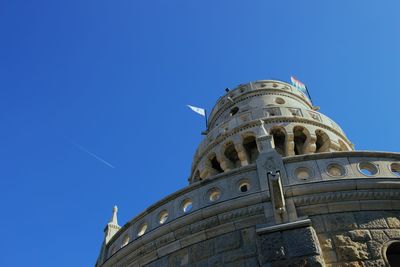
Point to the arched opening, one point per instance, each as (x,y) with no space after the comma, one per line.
(343,146)
(215,164)
(232,155)
(250,145)
(323,142)
(279,139)
(300,139)
(393,254)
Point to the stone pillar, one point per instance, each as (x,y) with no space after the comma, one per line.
(309,145)
(289,144)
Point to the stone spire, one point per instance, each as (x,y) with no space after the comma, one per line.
(112,227)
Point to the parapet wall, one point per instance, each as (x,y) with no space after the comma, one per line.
(231,217)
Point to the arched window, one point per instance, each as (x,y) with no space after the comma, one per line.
(393,254)
(279,139)
(300,138)
(125,241)
(323,142)
(232,155)
(215,164)
(250,145)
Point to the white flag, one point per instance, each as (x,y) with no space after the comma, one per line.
(200,111)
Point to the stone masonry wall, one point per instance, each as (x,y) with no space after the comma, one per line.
(237,248)
(356,238)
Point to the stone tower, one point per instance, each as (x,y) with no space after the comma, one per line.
(273,183)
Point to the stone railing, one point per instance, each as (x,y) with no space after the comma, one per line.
(237,195)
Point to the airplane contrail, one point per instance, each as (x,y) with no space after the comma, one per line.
(80,147)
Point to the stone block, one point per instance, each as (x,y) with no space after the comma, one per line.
(340,221)
(317,222)
(216,261)
(393,233)
(393,222)
(325,241)
(220,229)
(375,249)
(270,247)
(344,206)
(202,250)
(192,239)
(152,256)
(371,220)
(301,242)
(228,241)
(179,258)
(312,261)
(348,250)
(329,256)
(379,236)
(375,263)
(249,237)
(174,246)
(237,255)
(250,221)
(182,232)
(165,239)
(359,235)
(204,224)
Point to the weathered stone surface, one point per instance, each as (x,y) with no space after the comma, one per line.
(227,242)
(376,263)
(318,224)
(393,222)
(348,250)
(301,242)
(161,262)
(249,237)
(393,233)
(359,235)
(179,258)
(371,220)
(325,242)
(375,249)
(270,247)
(182,232)
(313,261)
(379,236)
(340,221)
(237,254)
(216,261)
(202,250)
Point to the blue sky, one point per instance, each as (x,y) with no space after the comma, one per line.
(114,77)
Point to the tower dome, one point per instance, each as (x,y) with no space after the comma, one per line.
(290,118)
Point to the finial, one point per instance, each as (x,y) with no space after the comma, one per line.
(114,218)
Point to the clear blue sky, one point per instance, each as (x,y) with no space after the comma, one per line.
(114,77)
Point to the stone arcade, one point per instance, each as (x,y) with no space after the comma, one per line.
(274,183)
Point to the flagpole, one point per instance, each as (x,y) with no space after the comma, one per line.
(309,96)
(205,115)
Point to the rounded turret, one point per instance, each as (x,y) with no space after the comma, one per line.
(290,118)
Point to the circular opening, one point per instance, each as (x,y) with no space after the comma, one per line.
(142,229)
(393,254)
(279,101)
(395,168)
(187,205)
(125,241)
(367,168)
(214,195)
(263,85)
(302,173)
(244,187)
(163,217)
(234,111)
(336,170)
(274,85)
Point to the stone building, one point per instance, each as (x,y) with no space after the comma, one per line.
(273,183)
